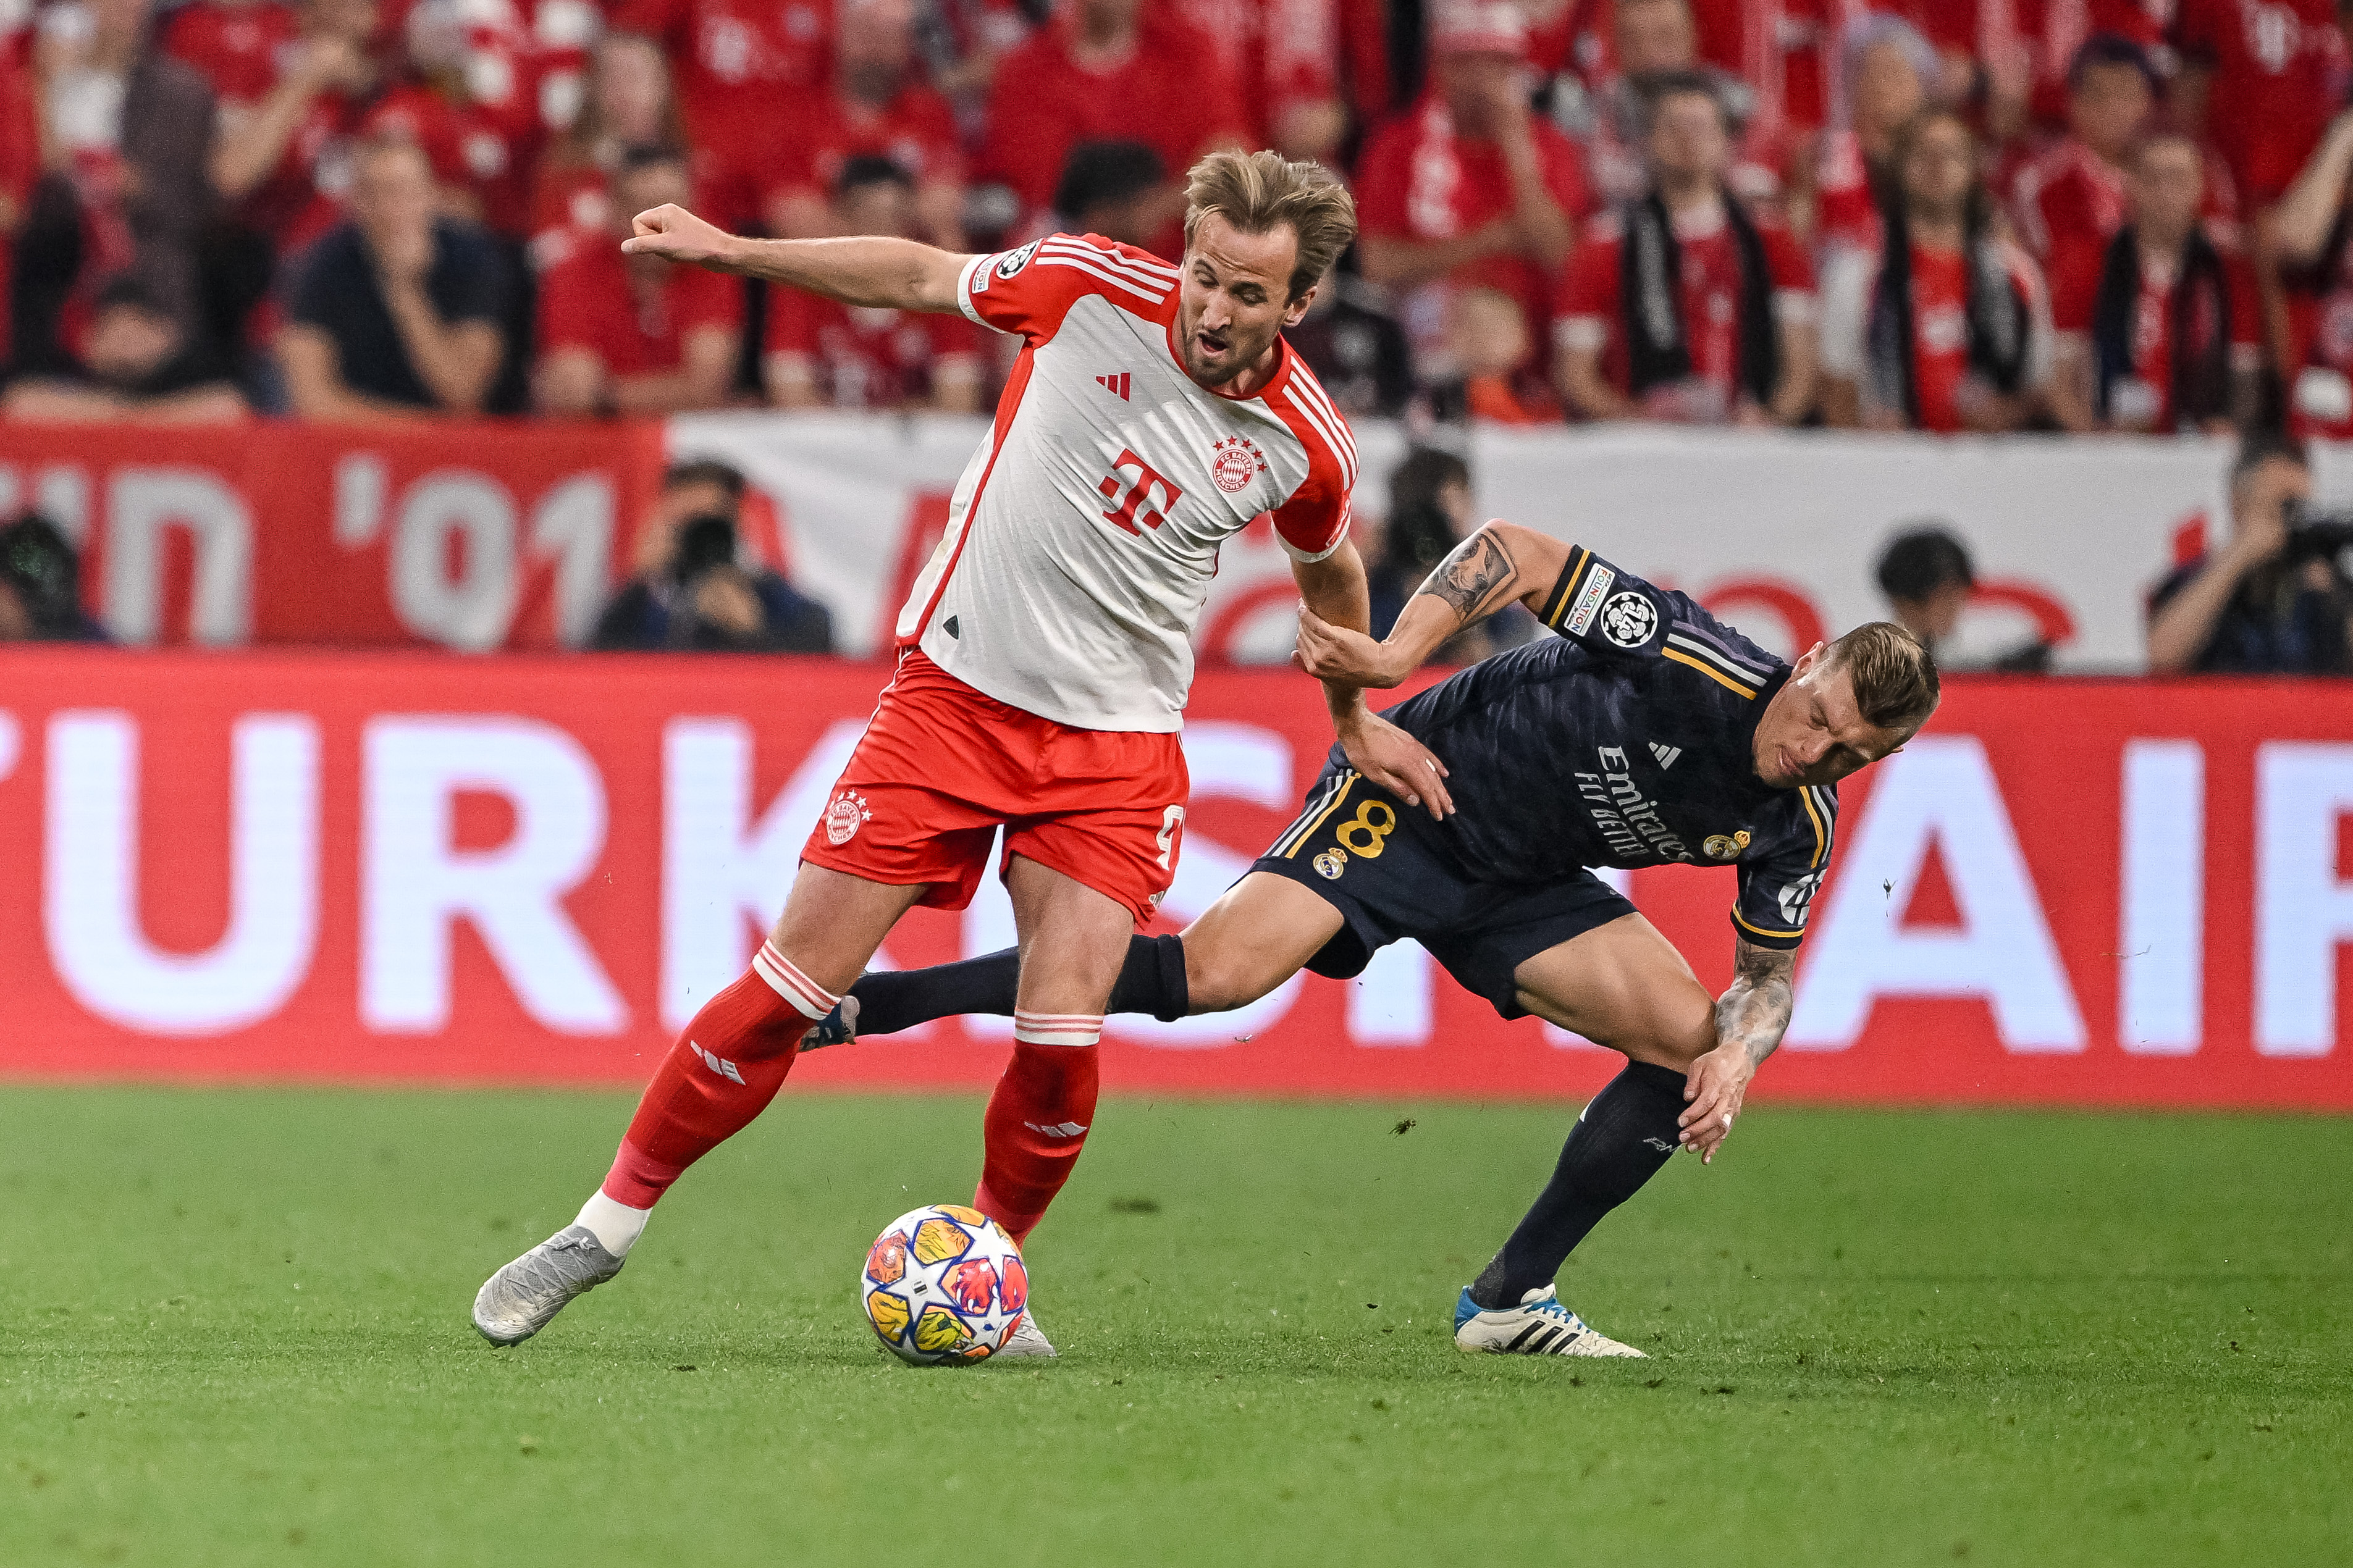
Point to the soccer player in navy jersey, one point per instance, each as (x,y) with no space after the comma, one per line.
(1646,733)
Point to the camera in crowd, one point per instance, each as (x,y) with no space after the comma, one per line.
(2320,533)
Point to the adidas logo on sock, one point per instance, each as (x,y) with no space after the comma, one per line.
(1666,754)
(719,1065)
(1060,1128)
(1117,383)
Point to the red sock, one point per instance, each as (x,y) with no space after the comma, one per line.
(720,1075)
(1038,1119)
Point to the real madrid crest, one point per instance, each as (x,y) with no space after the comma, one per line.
(1725,846)
(1330,863)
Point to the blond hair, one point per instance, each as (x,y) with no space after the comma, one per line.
(1892,673)
(1258,193)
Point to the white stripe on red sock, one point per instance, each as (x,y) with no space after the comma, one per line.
(785,978)
(1057,1029)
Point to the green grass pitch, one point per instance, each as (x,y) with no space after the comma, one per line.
(233,1331)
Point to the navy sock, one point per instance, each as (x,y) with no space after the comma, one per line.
(1151,981)
(1626,1133)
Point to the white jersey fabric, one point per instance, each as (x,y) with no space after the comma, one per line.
(1083,533)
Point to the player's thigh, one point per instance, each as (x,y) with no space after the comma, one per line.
(1259,934)
(833,921)
(1625,986)
(1073,939)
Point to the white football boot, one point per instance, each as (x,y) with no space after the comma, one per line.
(1539,1325)
(1027,1341)
(521,1299)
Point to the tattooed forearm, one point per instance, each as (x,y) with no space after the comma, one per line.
(1476,579)
(1755,1010)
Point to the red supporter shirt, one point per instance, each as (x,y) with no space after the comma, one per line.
(20,166)
(1418,180)
(2274,64)
(238,48)
(1279,53)
(867,358)
(1940,336)
(1170,94)
(738,63)
(1591,302)
(2074,297)
(586,300)
(917,131)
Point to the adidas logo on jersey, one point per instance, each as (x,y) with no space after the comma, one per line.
(1666,754)
(1117,383)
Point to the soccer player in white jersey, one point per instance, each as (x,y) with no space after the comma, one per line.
(1044,660)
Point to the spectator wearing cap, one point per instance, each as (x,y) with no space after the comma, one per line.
(1103,70)
(2071,200)
(634,335)
(1928,576)
(1945,326)
(1891,71)
(2157,327)
(1467,188)
(1684,307)
(694,592)
(823,353)
(395,313)
(136,366)
(877,106)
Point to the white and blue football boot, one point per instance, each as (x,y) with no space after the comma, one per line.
(1539,1325)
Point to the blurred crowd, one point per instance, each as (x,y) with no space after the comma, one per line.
(1938,214)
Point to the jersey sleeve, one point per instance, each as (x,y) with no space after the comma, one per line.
(1026,292)
(1609,612)
(1778,878)
(1314,520)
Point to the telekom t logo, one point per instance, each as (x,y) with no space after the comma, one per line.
(1137,505)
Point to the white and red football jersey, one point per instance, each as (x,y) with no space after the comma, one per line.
(1082,536)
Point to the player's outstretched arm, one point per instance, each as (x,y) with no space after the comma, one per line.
(1750,1018)
(1501,562)
(899,274)
(1332,591)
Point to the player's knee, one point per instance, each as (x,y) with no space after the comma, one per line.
(1217,983)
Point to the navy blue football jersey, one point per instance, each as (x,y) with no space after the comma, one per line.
(1625,741)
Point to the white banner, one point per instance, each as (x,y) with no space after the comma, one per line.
(1778,533)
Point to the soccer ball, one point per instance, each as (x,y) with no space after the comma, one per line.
(943,1284)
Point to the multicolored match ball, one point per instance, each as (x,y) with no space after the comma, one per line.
(943,1284)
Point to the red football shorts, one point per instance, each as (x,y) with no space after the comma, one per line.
(941,766)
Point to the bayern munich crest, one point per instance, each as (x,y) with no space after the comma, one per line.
(843,818)
(1234,462)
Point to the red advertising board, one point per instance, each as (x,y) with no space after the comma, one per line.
(473,536)
(341,867)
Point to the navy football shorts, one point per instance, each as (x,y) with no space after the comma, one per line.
(1353,849)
